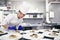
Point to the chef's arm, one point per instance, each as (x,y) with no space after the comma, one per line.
(5,26)
(6,21)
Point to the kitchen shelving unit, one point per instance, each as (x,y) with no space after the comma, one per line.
(48,4)
(4,13)
(32,16)
(7,12)
(33,19)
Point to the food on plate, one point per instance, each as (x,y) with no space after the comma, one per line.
(34,35)
(1,32)
(47,30)
(12,36)
(33,30)
(53,34)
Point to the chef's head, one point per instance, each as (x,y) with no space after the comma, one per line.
(20,14)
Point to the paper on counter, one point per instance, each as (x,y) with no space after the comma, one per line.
(51,14)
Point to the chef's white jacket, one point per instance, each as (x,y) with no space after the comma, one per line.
(12,20)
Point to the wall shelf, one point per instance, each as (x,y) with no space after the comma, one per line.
(34,13)
(55,2)
(32,18)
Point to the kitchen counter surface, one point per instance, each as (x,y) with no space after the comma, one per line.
(42,34)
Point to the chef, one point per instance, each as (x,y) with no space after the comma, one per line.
(13,20)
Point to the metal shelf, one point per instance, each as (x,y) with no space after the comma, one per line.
(8,10)
(56,2)
(32,18)
(35,13)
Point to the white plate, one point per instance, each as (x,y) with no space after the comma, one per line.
(6,37)
(27,36)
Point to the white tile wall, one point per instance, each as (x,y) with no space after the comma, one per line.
(29,6)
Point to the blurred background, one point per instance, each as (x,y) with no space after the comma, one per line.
(40,13)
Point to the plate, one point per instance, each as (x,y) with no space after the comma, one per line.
(11,36)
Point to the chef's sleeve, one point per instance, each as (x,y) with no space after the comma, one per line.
(7,20)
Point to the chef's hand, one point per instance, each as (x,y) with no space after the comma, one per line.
(12,28)
(20,27)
